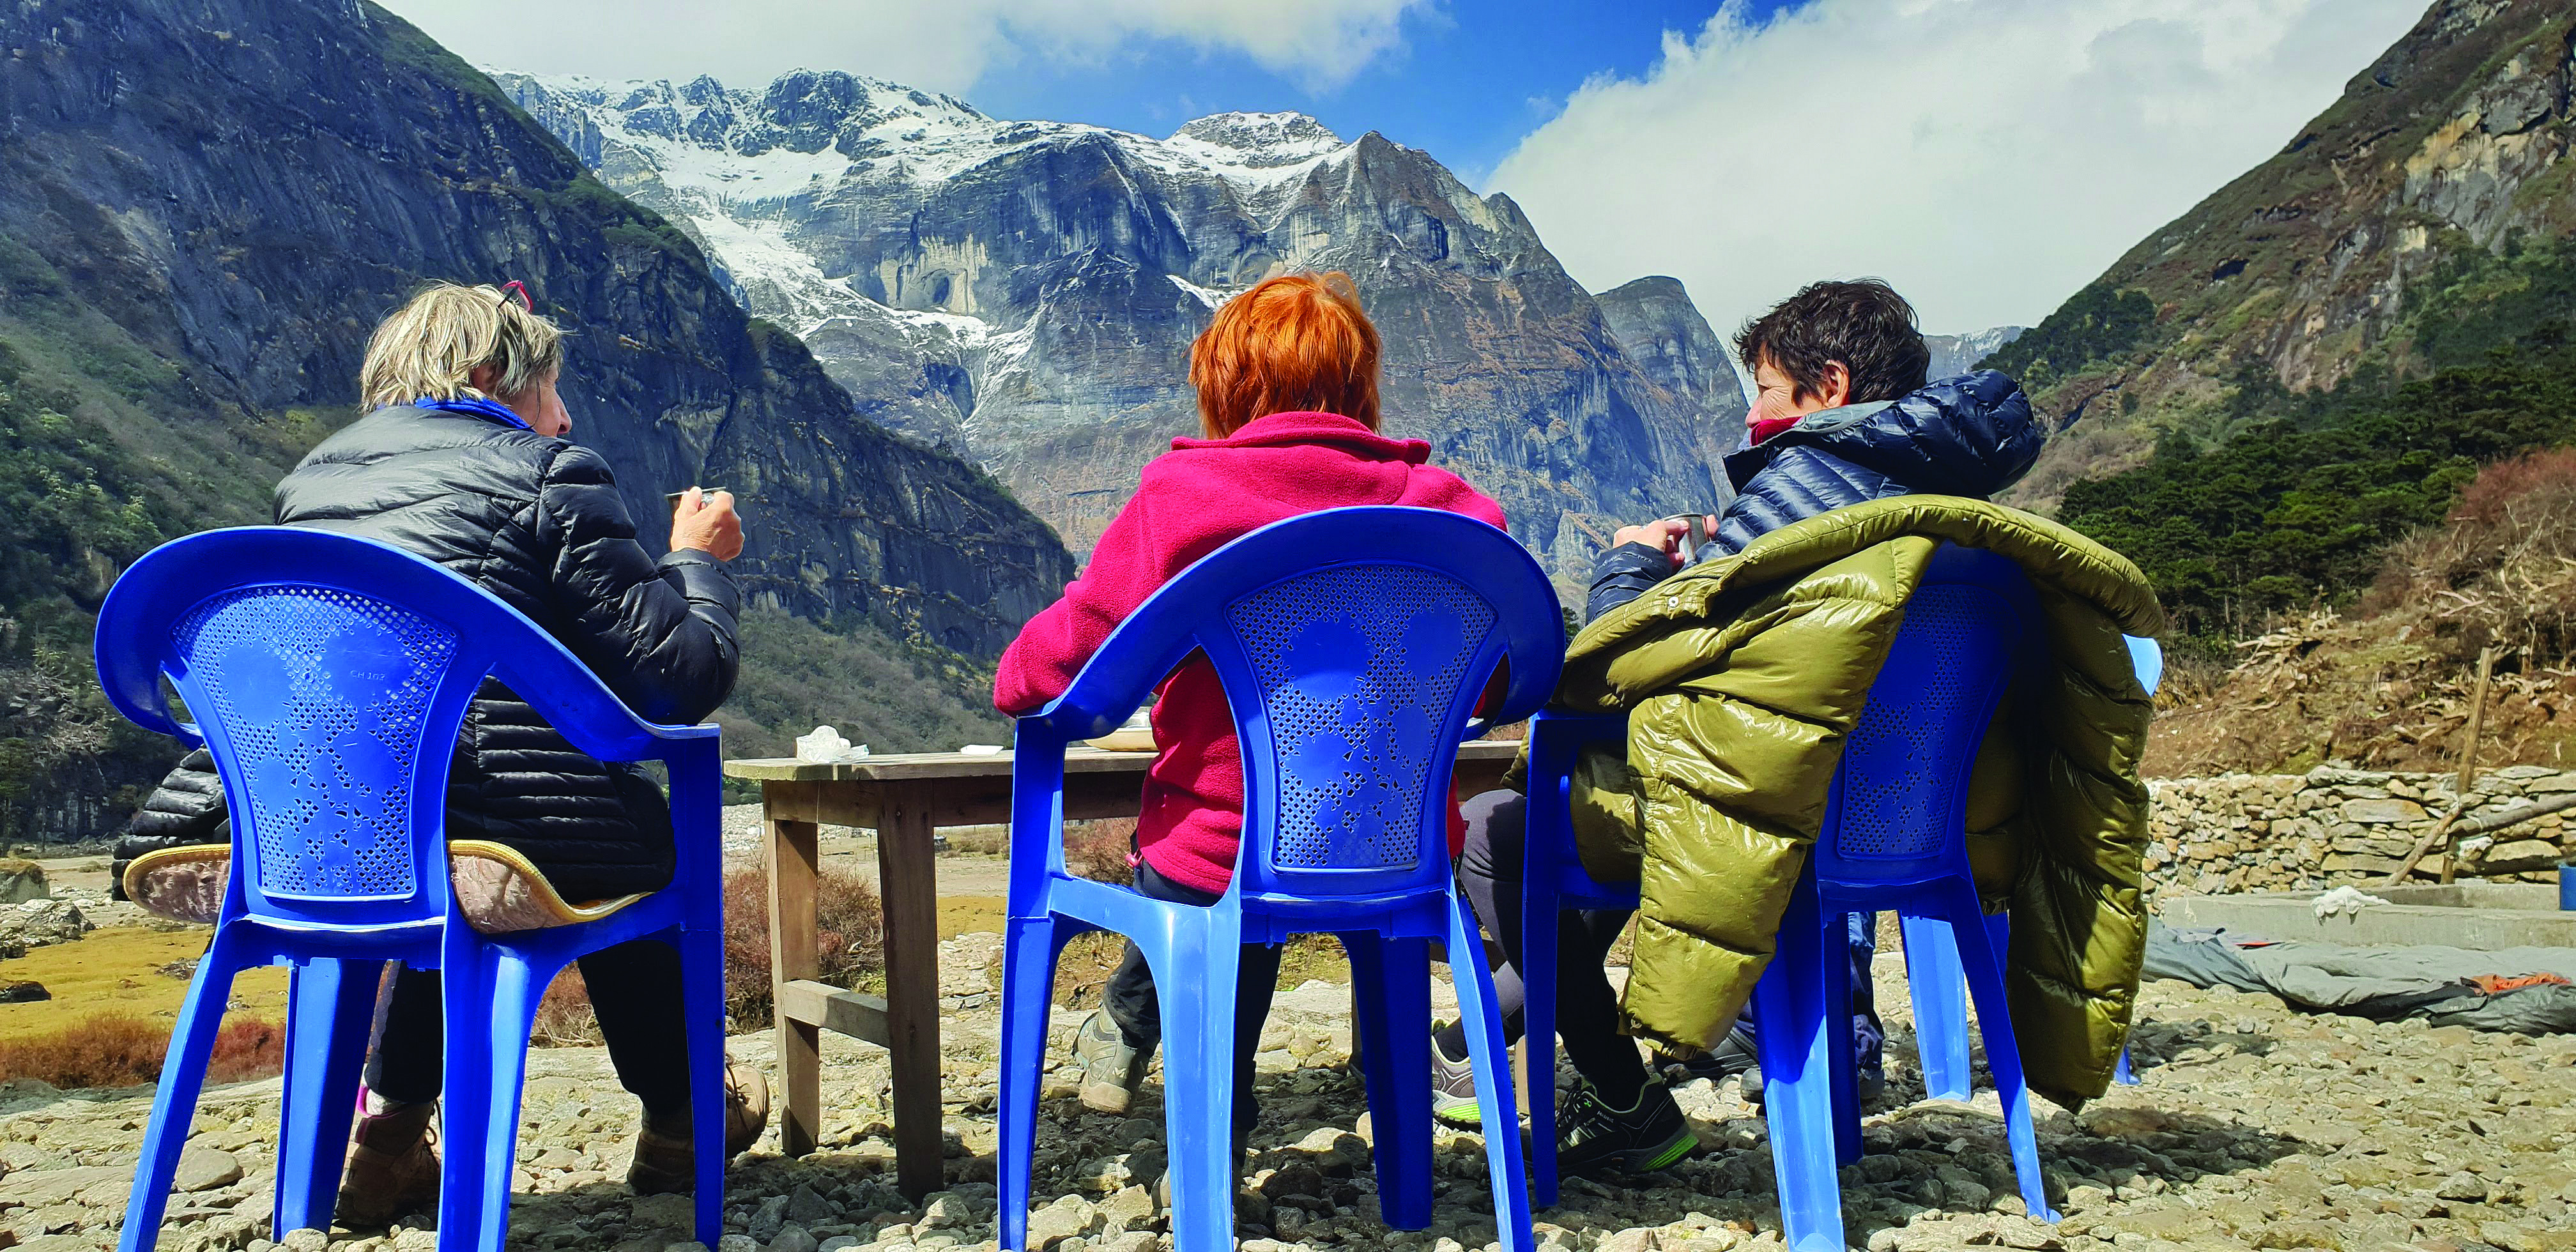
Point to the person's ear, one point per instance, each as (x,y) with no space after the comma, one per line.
(482,378)
(1834,388)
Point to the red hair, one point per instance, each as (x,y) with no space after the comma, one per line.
(1294,343)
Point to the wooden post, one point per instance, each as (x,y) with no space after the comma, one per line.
(792,873)
(2469,752)
(906,882)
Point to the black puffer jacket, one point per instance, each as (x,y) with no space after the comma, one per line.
(1972,436)
(537,522)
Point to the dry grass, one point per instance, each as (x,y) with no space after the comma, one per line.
(2388,685)
(123,1050)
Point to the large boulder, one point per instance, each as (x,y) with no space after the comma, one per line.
(22,880)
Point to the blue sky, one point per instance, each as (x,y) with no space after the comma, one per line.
(1467,80)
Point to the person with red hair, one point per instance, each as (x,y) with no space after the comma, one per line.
(1288,410)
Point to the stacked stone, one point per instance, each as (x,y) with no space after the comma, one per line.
(2328,827)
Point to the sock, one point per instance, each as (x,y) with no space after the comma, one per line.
(1625,1086)
(1452,1042)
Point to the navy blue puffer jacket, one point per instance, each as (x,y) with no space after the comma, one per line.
(1972,436)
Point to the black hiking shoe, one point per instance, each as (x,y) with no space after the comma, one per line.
(1599,1139)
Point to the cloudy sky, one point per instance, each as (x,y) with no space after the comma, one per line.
(1987,156)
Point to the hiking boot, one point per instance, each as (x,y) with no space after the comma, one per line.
(1453,1088)
(1732,1056)
(1869,1084)
(666,1154)
(1600,1139)
(393,1163)
(1110,1068)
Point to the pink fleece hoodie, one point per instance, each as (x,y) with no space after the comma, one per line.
(1190,502)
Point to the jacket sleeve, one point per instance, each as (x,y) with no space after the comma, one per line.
(1125,570)
(1622,574)
(188,807)
(661,634)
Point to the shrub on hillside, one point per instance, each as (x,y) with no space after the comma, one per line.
(124,1050)
(849,947)
(2389,684)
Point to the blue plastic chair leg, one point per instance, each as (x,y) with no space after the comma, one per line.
(1196,982)
(331,1006)
(466,1085)
(1844,1072)
(1539,920)
(1796,1052)
(516,983)
(703,1004)
(1981,952)
(1940,993)
(1493,1061)
(1029,952)
(174,1101)
(2121,1073)
(1391,996)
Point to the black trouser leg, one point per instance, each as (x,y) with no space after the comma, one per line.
(1130,1001)
(634,990)
(1587,1010)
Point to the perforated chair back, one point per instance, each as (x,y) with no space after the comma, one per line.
(329,676)
(1898,803)
(1352,645)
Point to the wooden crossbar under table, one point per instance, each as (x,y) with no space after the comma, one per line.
(905,799)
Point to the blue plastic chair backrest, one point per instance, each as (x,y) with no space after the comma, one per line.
(1352,645)
(1897,806)
(329,676)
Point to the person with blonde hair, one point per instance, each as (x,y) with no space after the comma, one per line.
(1287,381)
(464,456)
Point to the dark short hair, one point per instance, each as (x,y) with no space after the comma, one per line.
(1864,324)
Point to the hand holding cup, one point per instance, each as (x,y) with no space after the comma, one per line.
(704,520)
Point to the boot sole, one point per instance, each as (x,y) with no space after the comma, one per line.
(1102,1097)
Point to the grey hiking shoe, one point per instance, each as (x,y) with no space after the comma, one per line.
(1599,1139)
(1110,1068)
(1453,1088)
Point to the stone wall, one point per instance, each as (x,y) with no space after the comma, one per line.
(2327,827)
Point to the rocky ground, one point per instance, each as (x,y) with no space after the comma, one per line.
(2255,1127)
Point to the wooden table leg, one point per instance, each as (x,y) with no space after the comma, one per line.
(792,864)
(905,880)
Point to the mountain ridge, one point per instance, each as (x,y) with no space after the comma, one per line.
(188,273)
(2318,266)
(1026,291)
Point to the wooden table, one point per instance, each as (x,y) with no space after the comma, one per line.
(904,799)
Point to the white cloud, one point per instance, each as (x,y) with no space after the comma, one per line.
(945,45)
(1988,157)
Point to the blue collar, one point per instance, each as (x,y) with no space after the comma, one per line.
(485,409)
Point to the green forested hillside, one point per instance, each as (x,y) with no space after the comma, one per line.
(2284,499)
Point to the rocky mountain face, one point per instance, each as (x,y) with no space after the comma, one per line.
(2432,183)
(192,255)
(1026,292)
(1958,354)
(290,173)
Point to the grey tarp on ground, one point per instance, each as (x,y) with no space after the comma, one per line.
(2380,983)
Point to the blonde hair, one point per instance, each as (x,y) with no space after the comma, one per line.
(430,347)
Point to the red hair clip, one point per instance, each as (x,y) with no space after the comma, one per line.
(525,302)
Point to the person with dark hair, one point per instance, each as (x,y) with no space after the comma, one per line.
(1844,415)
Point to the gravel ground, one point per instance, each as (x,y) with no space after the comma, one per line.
(2255,1127)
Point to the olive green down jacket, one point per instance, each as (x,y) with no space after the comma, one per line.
(1742,676)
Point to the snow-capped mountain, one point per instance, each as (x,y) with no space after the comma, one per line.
(1027,291)
(1957,354)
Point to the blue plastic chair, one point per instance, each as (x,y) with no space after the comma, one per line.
(1940,986)
(329,676)
(1894,838)
(1352,645)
